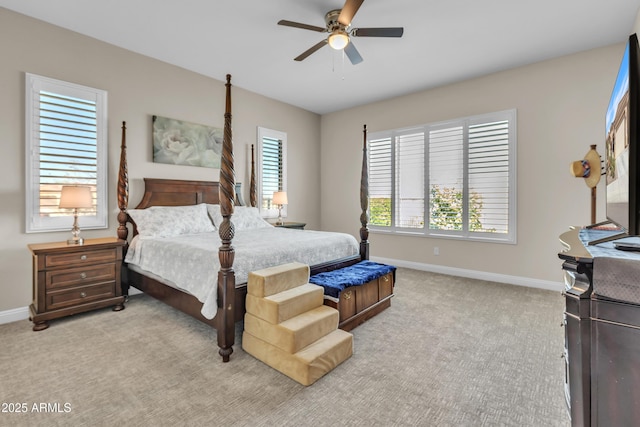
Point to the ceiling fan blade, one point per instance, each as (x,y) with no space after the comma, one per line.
(311,50)
(352,53)
(348,11)
(303,26)
(378,32)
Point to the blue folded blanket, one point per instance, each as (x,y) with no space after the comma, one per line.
(358,274)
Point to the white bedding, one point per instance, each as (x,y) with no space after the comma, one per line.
(191,263)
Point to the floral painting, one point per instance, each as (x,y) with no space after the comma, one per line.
(178,142)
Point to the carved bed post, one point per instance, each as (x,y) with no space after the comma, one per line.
(252,184)
(123,187)
(364,200)
(226,275)
(123,202)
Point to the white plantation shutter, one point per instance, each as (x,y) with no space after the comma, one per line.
(446,175)
(66,145)
(464,189)
(410,180)
(489,175)
(380,182)
(271,170)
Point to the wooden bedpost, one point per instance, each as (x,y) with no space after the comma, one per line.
(123,202)
(123,187)
(226,275)
(364,200)
(252,184)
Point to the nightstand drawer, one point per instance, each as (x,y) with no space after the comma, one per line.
(80,276)
(80,295)
(79,258)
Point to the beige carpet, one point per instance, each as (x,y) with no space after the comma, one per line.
(449,352)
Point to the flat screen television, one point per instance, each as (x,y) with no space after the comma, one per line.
(622,145)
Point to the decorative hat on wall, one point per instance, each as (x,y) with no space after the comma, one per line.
(588,168)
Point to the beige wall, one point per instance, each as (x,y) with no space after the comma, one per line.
(138,87)
(560,111)
(560,103)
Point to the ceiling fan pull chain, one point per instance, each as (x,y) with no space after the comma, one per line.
(333,62)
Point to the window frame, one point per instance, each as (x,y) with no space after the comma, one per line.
(263,132)
(34,222)
(509,237)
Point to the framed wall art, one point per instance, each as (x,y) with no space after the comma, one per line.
(178,142)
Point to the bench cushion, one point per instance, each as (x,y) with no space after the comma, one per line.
(363,272)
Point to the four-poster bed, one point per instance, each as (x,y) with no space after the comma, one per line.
(226,193)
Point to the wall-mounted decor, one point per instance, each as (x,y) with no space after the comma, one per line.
(178,142)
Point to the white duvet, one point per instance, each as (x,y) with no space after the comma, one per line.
(190,262)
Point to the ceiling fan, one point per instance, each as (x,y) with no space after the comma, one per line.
(338,25)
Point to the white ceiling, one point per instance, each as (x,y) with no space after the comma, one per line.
(444,40)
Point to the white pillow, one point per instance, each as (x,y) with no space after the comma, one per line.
(243,218)
(166,221)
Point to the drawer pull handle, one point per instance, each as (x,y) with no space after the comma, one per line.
(385,278)
(347,295)
(83,257)
(83,294)
(83,275)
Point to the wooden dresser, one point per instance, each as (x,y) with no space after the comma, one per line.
(602,330)
(70,279)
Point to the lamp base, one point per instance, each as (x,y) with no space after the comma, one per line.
(280,221)
(79,241)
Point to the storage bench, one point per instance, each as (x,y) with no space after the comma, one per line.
(358,292)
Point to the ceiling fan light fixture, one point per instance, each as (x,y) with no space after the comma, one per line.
(338,39)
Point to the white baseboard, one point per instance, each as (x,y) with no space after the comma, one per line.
(14,315)
(473,274)
(22,313)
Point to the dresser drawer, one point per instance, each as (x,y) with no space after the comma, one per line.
(79,258)
(80,276)
(79,295)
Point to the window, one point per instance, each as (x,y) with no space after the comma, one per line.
(271,165)
(452,179)
(66,144)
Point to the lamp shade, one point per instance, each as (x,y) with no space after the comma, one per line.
(75,197)
(338,40)
(280,198)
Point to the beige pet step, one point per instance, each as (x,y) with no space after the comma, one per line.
(296,333)
(287,304)
(273,280)
(307,365)
(288,327)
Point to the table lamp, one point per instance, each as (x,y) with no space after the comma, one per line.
(280,198)
(75,197)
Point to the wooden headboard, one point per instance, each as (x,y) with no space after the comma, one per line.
(175,192)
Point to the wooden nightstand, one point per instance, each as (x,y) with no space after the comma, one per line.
(70,279)
(296,225)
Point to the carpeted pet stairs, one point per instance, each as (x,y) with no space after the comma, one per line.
(288,327)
